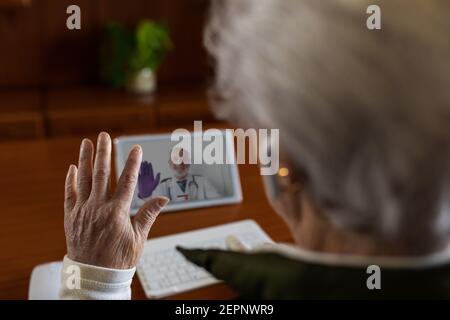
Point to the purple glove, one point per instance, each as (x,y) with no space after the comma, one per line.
(146,182)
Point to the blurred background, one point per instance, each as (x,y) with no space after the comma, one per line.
(135,65)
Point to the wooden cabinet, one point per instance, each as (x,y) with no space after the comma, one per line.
(114,120)
(38,50)
(90,110)
(182,106)
(22,125)
(15,3)
(84,111)
(20,115)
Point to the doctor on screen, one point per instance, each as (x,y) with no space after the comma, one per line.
(181,186)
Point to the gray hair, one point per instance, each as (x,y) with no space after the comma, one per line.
(364,114)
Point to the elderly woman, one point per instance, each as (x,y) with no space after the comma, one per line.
(364,118)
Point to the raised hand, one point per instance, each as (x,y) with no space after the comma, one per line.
(98,227)
(147,183)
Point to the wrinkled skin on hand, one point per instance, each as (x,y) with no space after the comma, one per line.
(98,227)
(147,183)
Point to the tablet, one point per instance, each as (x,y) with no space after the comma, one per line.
(184,174)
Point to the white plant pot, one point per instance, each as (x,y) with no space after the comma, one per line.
(142,82)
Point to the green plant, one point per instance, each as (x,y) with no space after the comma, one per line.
(123,53)
(152,43)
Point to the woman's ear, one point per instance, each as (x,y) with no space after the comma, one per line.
(291,204)
(302,215)
(285,196)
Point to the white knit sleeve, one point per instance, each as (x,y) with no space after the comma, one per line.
(86,282)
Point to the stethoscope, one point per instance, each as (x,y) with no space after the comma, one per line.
(191,184)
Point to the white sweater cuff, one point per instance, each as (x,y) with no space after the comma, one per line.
(87,282)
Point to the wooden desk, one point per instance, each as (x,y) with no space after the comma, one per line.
(31,198)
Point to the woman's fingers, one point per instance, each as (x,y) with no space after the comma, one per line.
(147,215)
(70,194)
(235,244)
(84,178)
(102,167)
(128,178)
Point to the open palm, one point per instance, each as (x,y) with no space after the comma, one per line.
(98,227)
(147,183)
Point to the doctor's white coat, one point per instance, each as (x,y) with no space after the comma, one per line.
(197,188)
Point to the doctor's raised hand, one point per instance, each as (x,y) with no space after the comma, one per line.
(98,227)
(147,183)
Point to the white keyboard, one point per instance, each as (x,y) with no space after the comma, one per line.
(163,271)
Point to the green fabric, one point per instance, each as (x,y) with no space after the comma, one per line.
(274,276)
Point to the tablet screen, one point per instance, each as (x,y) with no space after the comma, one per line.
(180,173)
